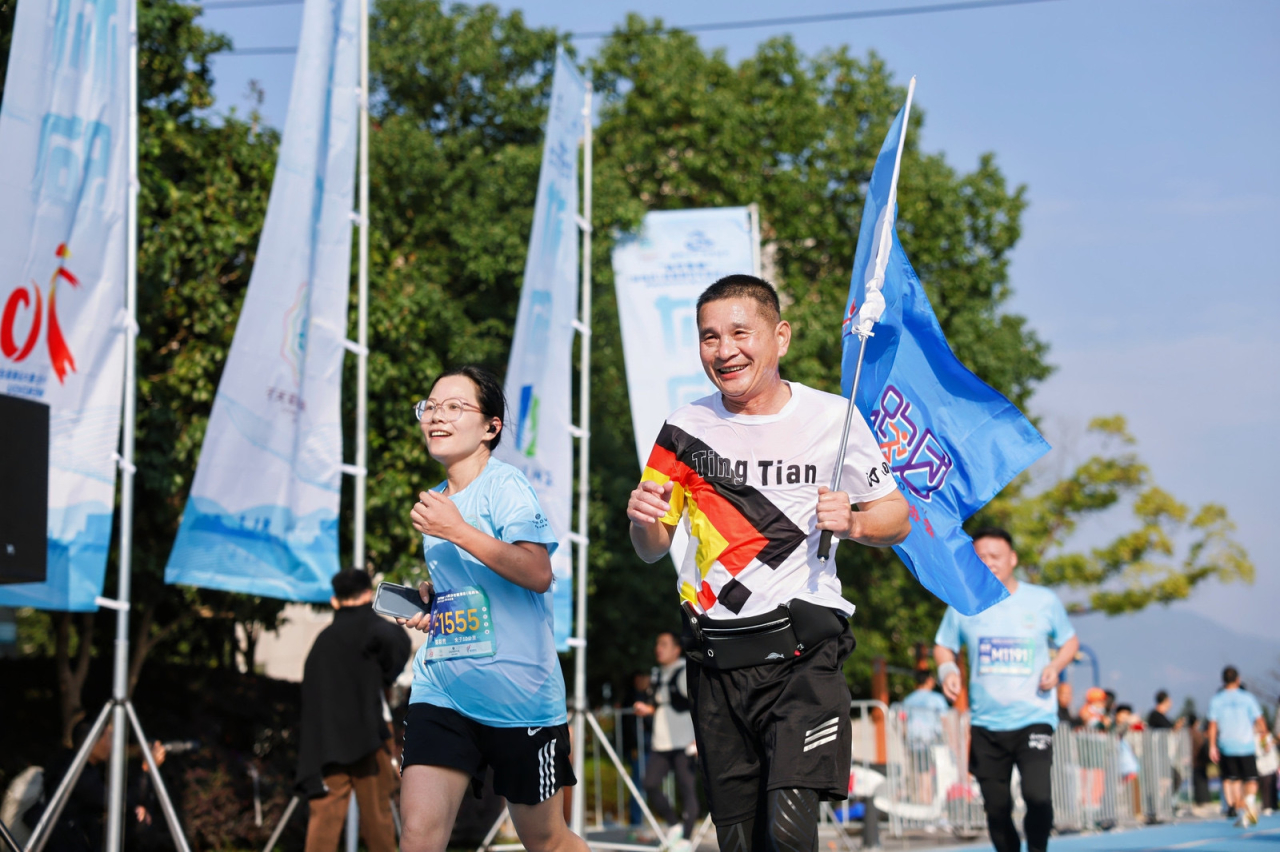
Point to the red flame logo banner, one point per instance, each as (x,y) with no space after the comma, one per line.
(59,353)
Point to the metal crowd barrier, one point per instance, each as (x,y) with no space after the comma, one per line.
(927,785)
(1100,780)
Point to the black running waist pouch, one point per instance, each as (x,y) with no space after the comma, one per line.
(773,637)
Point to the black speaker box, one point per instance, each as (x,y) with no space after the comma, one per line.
(24,489)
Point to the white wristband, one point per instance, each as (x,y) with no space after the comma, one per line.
(947,669)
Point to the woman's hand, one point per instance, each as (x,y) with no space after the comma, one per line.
(421,621)
(435,515)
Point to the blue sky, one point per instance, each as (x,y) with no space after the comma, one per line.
(1147,132)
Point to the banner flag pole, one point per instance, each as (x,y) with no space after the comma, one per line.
(120,673)
(578,813)
(884,243)
(362,309)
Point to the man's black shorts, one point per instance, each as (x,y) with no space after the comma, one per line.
(529,764)
(992,754)
(1238,767)
(773,727)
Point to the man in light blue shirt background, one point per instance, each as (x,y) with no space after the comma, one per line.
(1235,720)
(925,708)
(1013,674)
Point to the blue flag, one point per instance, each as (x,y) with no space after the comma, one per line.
(952,441)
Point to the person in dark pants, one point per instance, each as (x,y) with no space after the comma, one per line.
(1199,760)
(637,733)
(672,737)
(345,741)
(1012,678)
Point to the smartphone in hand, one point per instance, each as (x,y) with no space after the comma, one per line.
(399,601)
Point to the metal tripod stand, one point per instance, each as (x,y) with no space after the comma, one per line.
(123,709)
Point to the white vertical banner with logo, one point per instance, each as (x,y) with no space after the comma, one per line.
(63,207)
(658,274)
(538,438)
(262,516)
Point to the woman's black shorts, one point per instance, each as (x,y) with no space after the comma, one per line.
(529,764)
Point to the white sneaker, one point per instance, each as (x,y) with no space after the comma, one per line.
(1250,816)
(674,835)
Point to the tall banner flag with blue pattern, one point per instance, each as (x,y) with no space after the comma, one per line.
(951,441)
(262,516)
(539,384)
(63,325)
(658,274)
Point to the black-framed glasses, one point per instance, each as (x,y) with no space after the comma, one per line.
(449,410)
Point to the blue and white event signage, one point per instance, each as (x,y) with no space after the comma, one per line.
(951,440)
(658,274)
(63,208)
(538,438)
(262,516)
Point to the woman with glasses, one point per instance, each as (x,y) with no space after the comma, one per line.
(487,688)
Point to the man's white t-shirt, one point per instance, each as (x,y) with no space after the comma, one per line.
(749,487)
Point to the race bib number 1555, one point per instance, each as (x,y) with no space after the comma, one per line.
(461,625)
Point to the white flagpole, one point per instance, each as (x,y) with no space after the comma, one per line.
(120,673)
(579,641)
(884,246)
(362,310)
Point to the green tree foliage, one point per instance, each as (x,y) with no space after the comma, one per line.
(459,99)
(460,106)
(1172,549)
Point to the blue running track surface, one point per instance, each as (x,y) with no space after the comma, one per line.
(1218,835)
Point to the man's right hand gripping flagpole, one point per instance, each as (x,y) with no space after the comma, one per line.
(860,318)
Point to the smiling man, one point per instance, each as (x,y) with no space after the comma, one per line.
(766,624)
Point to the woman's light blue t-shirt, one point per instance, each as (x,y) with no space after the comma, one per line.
(1008,649)
(521,684)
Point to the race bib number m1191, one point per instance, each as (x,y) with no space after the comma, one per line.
(1006,656)
(461,625)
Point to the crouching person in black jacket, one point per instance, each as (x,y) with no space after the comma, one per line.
(345,743)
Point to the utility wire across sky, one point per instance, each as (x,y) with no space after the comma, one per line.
(887,12)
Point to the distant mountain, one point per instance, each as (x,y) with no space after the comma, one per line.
(1175,649)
